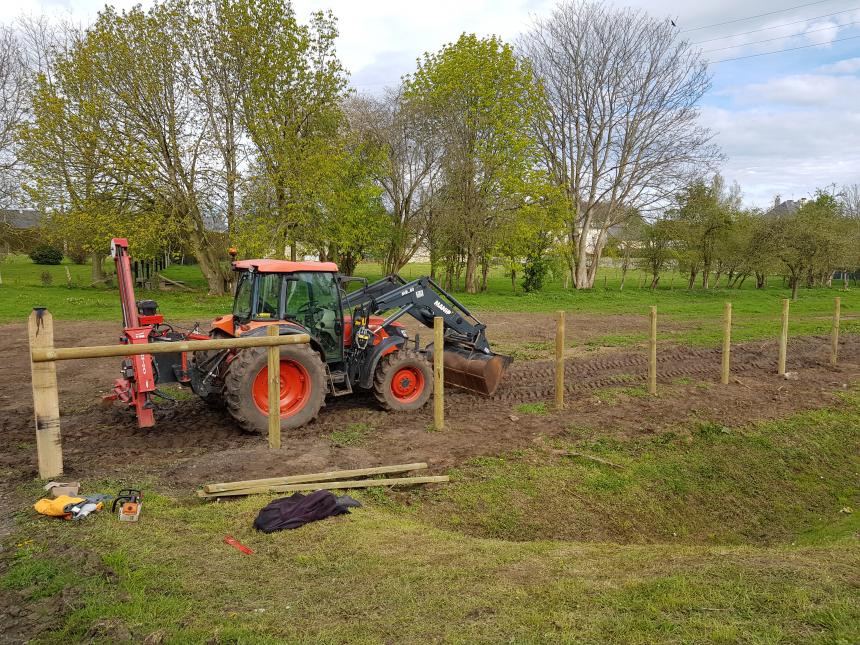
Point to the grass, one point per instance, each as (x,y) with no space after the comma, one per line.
(695,314)
(704,535)
(701,483)
(352,435)
(539,409)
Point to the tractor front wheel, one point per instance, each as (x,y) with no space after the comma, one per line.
(303,387)
(403,380)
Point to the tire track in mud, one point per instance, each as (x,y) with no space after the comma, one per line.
(532,381)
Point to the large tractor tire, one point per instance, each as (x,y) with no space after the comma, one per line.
(303,387)
(215,398)
(403,380)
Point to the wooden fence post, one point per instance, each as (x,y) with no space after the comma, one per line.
(46,401)
(559,361)
(438,373)
(834,334)
(652,354)
(783,337)
(727,342)
(274,369)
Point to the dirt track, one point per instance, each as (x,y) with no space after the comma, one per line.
(192,444)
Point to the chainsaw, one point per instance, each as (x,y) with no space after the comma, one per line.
(129,502)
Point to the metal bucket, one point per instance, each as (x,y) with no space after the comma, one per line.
(480,373)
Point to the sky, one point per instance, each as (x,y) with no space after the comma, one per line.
(788,123)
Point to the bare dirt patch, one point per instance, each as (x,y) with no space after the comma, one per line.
(192,444)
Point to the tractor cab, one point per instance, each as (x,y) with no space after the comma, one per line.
(306,294)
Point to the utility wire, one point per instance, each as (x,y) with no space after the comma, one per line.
(769,13)
(768,40)
(785,24)
(780,51)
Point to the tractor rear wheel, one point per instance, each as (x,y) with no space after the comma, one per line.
(303,387)
(403,380)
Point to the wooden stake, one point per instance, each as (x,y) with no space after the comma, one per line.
(727,342)
(314,477)
(274,355)
(834,334)
(359,483)
(46,402)
(783,337)
(559,361)
(652,351)
(438,373)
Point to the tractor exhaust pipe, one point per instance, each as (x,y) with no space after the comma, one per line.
(474,371)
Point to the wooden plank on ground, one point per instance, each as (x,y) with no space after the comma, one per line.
(361,483)
(313,477)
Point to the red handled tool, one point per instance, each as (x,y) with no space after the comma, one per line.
(229,539)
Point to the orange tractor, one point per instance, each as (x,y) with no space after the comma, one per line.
(356,343)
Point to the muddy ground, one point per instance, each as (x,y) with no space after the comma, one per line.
(192,444)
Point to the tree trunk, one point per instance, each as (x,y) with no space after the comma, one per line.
(293,251)
(514,279)
(98,272)
(471,265)
(654,280)
(706,276)
(759,280)
(623,277)
(692,282)
(794,284)
(485,270)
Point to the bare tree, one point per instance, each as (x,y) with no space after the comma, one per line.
(13,109)
(408,174)
(621,132)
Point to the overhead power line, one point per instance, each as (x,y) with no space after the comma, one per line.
(760,15)
(790,49)
(784,24)
(768,40)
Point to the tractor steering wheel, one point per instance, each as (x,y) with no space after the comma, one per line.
(311,312)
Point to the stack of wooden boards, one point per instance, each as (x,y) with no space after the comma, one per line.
(335,479)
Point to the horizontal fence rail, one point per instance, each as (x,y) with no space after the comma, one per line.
(44,355)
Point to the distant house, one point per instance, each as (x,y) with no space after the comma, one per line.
(788,207)
(20,218)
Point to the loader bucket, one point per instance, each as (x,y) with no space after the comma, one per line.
(480,373)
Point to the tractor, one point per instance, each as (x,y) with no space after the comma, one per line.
(356,343)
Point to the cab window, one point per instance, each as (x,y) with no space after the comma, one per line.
(242,301)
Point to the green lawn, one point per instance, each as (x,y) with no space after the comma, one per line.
(756,312)
(707,535)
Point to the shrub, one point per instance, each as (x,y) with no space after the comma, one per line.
(46,254)
(46,278)
(534,273)
(78,255)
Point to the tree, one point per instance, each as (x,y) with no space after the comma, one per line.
(655,248)
(813,239)
(13,110)
(703,216)
(482,100)
(291,89)
(621,131)
(409,169)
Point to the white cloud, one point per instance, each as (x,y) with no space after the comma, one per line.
(787,152)
(801,90)
(844,66)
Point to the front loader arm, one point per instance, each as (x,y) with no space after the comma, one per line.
(424,299)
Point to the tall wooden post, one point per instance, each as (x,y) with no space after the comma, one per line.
(274,369)
(652,353)
(727,343)
(46,401)
(559,361)
(834,334)
(783,337)
(438,373)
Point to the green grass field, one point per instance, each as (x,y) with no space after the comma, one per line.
(756,311)
(706,535)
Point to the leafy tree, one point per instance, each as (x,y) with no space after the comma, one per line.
(482,99)
(291,89)
(655,248)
